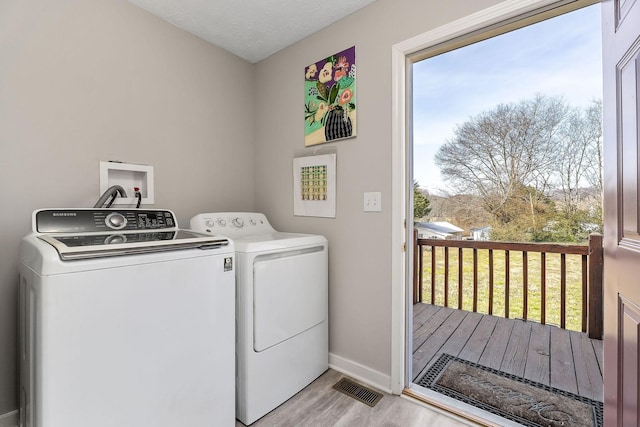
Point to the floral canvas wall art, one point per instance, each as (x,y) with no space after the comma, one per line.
(330,98)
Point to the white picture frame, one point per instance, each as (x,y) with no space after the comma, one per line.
(314,186)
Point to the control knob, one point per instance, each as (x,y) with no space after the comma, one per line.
(116,221)
(238,222)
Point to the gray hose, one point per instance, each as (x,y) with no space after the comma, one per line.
(112,192)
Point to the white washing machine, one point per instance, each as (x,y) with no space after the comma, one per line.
(282,300)
(125,321)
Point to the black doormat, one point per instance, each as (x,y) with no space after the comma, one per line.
(526,402)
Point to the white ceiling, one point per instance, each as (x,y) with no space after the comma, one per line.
(251,29)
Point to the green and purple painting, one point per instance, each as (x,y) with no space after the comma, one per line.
(330,98)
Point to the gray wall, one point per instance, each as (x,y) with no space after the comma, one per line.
(89,80)
(359,242)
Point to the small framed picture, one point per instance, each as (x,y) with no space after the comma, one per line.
(314,186)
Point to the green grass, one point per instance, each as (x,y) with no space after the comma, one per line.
(516,300)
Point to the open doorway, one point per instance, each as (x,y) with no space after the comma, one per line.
(459,36)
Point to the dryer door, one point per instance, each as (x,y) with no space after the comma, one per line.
(290,294)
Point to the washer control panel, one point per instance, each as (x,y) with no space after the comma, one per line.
(100,220)
(231,224)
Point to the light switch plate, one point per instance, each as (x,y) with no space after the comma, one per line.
(373,201)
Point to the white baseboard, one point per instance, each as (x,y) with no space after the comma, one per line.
(360,373)
(10,419)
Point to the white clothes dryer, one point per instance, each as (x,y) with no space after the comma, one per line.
(281,312)
(125,321)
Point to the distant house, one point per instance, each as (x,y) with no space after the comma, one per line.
(481,233)
(438,230)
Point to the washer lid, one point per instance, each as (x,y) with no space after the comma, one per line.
(89,245)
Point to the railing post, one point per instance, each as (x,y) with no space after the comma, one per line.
(596,263)
(417,286)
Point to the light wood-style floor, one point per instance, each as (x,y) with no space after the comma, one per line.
(545,354)
(319,405)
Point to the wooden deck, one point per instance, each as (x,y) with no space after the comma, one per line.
(546,354)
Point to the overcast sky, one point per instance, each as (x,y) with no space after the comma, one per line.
(557,57)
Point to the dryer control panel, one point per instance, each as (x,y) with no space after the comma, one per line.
(101,220)
(231,224)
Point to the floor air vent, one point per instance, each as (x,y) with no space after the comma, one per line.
(358,392)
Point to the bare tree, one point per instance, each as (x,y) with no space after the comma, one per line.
(594,173)
(530,163)
(572,162)
(580,162)
(505,154)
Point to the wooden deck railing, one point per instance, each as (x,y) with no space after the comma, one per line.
(443,278)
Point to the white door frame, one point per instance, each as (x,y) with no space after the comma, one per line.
(402,173)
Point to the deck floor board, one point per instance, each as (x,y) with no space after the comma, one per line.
(497,344)
(459,338)
(478,340)
(432,324)
(584,357)
(515,356)
(545,354)
(537,364)
(431,347)
(563,373)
